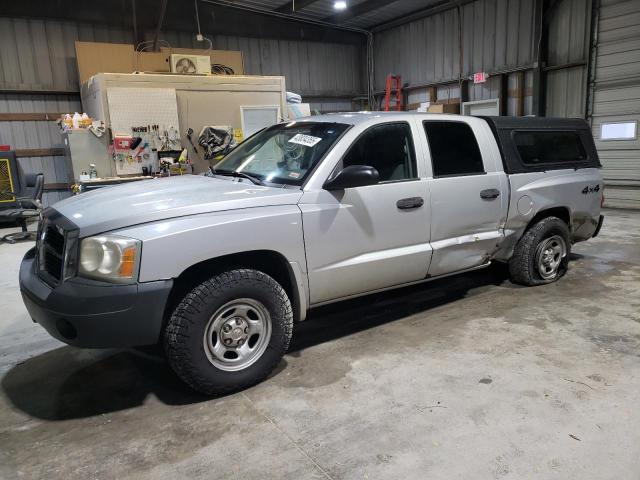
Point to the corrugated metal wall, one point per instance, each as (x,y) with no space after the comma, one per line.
(497,35)
(39,55)
(38,134)
(568,44)
(616,98)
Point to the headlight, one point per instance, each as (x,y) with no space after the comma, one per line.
(110,257)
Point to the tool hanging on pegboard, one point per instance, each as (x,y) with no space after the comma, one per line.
(189,134)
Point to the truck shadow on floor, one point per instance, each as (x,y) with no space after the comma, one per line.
(70,383)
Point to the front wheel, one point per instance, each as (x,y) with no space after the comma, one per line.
(229,332)
(542,254)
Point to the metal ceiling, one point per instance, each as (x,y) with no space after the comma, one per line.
(362,14)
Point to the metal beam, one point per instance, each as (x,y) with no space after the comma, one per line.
(594,22)
(39,152)
(294,6)
(29,117)
(314,30)
(504,94)
(579,63)
(540,55)
(138,35)
(163,10)
(548,13)
(357,10)
(218,17)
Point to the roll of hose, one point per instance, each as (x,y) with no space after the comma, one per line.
(220,69)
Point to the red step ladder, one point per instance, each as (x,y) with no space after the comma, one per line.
(398,88)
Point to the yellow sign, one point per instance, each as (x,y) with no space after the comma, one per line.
(6,182)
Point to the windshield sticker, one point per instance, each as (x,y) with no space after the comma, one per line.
(306,140)
(294,174)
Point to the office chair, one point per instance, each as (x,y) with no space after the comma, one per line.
(29,204)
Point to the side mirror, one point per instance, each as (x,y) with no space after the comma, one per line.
(353,176)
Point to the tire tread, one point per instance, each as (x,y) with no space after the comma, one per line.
(521,266)
(178,328)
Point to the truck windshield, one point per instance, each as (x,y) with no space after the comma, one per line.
(283,153)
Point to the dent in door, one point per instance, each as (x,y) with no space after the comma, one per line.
(459,253)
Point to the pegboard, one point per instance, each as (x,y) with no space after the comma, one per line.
(133,107)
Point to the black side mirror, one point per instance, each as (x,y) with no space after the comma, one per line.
(353,176)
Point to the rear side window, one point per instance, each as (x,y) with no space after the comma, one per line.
(542,148)
(454,149)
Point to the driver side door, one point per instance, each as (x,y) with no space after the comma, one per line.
(373,237)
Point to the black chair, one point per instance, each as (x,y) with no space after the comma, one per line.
(29,204)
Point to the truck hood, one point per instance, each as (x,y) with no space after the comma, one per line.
(111,208)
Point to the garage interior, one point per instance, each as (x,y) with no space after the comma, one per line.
(469,376)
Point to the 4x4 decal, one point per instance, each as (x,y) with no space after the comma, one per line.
(586,190)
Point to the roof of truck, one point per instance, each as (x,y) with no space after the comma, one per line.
(355,118)
(503,129)
(538,123)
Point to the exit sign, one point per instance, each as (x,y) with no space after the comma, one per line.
(479,77)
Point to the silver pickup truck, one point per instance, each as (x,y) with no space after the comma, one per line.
(217,268)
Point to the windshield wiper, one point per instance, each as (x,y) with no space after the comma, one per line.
(233,173)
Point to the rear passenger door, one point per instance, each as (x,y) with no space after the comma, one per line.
(469,194)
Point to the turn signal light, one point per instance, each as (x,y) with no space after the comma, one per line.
(128,262)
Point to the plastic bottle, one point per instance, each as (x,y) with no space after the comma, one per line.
(68,122)
(76,120)
(85,121)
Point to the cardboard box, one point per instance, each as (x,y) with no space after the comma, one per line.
(151,62)
(444,108)
(96,57)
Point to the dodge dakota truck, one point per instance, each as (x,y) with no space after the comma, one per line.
(217,268)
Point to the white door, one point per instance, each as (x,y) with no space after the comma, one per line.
(469,196)
(367,238)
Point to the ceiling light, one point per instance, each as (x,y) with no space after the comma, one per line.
(340,5)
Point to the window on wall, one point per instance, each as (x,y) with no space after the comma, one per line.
(454,149)
(618,131)
(539,148)
(388,148)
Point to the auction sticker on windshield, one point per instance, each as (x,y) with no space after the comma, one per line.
(306,140)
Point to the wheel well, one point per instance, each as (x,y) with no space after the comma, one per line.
(272,263)
(561,212)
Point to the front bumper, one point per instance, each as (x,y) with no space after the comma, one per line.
(87,313)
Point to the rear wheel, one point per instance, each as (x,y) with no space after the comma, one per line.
(542,254)
(229,332)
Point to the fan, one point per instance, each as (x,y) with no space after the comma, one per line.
(185,65)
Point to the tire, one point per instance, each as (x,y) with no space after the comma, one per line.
(529,265)
(221,317)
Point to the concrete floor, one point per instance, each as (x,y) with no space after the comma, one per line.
(467,377)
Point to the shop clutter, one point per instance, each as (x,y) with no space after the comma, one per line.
(76,121)
(216,141)
(150,150)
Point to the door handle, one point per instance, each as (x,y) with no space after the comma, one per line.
(489,193)
(409,203)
